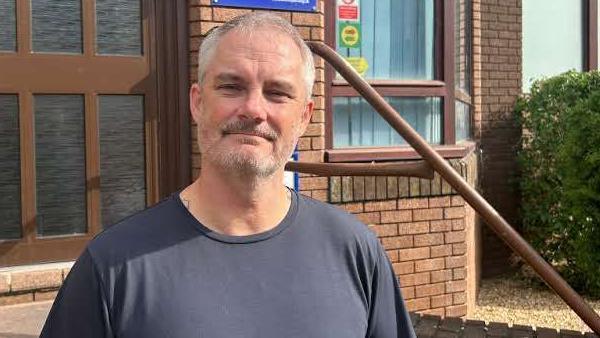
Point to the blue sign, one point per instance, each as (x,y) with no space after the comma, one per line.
(290,178)
(286,5)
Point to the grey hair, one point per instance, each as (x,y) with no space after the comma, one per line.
(246,24)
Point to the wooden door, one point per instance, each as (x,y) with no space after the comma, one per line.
(79,135)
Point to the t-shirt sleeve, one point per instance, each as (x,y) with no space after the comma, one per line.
(388,317)
(80,308)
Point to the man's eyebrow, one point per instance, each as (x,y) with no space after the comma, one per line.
(228,77)
(282,85)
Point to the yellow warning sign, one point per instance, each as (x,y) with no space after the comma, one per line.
(360,64)
(349,35)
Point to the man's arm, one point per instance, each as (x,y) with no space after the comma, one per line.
(80,308)
(388,317)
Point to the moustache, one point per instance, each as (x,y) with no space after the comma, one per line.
(249,127)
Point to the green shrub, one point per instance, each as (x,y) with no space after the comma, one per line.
(560,174)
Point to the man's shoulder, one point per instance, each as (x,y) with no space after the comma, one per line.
(143,220)
(148,230)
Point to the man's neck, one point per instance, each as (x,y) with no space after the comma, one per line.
(233,205)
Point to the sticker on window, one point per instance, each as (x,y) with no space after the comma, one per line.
(348,10)
(349,35)
(359,64)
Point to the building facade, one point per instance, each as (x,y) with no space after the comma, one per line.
(98,125)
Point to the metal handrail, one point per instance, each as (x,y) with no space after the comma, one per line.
(470,195)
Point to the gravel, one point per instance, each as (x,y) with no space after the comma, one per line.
(512,300)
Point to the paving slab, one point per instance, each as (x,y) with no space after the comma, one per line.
(23,320)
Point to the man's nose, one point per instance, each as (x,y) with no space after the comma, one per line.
(255,106)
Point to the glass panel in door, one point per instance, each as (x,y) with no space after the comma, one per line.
(8,26)
(56,26)
(118,27)
(60,164)
(10,172)
(122,156)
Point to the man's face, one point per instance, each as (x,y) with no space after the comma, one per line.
(252,105)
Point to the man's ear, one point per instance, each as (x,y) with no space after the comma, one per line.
(195,101)
(307,115)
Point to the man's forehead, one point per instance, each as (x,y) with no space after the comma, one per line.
(260,41)
(239,54)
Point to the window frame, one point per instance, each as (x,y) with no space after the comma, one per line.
(442,86)
(164,67)
(590,30)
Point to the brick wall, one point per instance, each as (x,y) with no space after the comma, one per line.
(349,189)
(497,83)
(425,229)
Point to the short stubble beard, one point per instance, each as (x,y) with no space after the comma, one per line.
(243,164)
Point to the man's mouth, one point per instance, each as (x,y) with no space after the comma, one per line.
(245,133)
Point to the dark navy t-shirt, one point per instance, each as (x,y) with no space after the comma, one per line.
(160,273)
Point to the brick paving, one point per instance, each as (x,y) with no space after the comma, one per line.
(428,326)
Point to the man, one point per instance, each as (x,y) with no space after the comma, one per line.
(237,254)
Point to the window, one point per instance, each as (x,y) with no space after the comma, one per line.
(415,53)
(553,40)
(462,68)
(559,36)
(357,124)
(396,39)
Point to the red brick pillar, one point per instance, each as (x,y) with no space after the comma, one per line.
(497,84)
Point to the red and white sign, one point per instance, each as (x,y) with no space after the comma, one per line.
(348,10)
